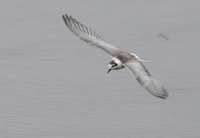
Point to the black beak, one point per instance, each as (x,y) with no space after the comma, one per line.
(109,70)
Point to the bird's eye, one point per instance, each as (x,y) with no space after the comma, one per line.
(115,64)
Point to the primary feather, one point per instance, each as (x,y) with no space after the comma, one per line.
(88,35)
(143,76)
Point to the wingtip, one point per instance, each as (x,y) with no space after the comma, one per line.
(64,17)
(161,94)
(164,95)
(153,86)
(157,90)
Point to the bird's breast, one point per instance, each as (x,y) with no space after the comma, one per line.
(125,57)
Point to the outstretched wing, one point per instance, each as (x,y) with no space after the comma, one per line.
(144,78)
(88,35)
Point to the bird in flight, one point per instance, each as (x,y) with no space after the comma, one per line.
(120,58)
(161,35)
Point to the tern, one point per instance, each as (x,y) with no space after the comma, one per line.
(120,58)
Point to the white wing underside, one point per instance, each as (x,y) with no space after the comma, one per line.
(144,78)
(88,35)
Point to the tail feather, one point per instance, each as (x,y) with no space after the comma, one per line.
(143,60)
(140,58)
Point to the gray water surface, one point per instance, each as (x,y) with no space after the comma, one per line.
(54,85)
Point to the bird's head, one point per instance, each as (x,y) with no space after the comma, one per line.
(112,65)
(115,64)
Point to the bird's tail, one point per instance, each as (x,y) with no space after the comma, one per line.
(142,60)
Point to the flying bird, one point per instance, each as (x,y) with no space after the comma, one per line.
(161,35)
(120,58)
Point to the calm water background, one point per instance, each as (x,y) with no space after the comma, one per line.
(54,85)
